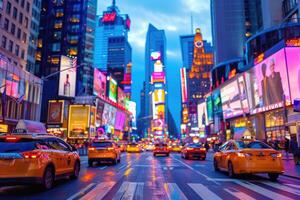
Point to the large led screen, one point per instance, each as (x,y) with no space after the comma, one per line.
(109,115)
(202,115)
(293,63)
(234,102)
(113,90)
(158,96)
(268,83)
(99,83)
(67,77)
(120,120)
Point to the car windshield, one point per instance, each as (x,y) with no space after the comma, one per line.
(102,144)
(252,145)
(133,144)
(195,145)
(21,145)
(161,145)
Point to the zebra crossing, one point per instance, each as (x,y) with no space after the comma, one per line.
(172,191)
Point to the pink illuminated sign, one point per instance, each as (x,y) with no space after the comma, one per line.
(184,97)
(158,77)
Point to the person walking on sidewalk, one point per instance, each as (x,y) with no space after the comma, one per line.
(295,150)
(287,147)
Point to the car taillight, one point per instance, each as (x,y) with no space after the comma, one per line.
(276,155)
(110,148)
(92,148)
(189,148)
(11,139)
(202,149)
(243,155)
(31,155)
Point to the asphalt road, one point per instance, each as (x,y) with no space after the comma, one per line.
(142,176)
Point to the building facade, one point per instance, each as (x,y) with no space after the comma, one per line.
(67,29)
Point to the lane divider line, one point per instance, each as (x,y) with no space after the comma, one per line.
(82,192)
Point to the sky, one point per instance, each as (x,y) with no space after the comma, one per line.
(174,16)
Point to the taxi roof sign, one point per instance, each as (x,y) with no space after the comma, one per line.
(29,127)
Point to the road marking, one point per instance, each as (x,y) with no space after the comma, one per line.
(174,192)
(149,158)
(82,192)
(283,187)
(292,185)
(207,177)
(238,194)
(203,191)
(99,191)
(267,193)
(126,191)
(165,168)
(139,192)
(102,167)
(123,166)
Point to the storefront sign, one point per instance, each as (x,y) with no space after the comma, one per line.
(3,128)
(78,124)
(295,42)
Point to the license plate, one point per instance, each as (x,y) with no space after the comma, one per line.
(9,156)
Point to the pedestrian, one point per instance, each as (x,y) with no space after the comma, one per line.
(276,144)
(295,150)
(287,147)
(206,145)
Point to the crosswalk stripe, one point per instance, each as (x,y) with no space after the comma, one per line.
(126,191)
(265,192)
(283,187)
(82,191)
(139,191)
(174,192)
(203,191)
(292,185)
(99,191)
(238,194)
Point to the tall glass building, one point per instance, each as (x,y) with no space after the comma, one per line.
(111,38)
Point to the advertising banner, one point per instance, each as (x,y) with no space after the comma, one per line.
(120,120)
(132,109)
(109,115)
(159,112)
(157,125)
(99,113)
(78,121)
(293,63)
(202,115)
(156,55)
(67,77)
(113,89)
(121,96)
(268,83)
(184,97)
(127,88)
(99,83)
(158,77)
(234,103)
(127,79)
(209,107)
(55,112)
(158,66)
(158,96)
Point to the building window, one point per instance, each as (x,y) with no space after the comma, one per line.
(56,47)
(57,35)
(17,49)
(3,43)
(15,13)
(73,51)
(13,28)
(10,46)
(24,38)
(26,22)
(23,54)
(58,24)
(59,13)
(55,60)
(22,3)
(21,18)
(27,6)
(19,33)
(6,24)
(75,19)
(8,8)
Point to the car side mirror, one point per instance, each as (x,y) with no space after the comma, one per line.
(73,148)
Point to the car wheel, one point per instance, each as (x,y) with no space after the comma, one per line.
(48,178)
(230,170)
(273,176)
(76,170)
(216,165)
(91,163)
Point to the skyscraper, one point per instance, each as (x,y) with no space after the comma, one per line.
(112,29)
(155,50)
(66,29)
(233,22)
(187,50)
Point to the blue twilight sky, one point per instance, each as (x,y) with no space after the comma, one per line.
(174,16)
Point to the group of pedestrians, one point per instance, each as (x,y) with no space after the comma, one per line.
(291,146)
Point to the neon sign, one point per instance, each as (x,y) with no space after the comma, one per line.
(109,17)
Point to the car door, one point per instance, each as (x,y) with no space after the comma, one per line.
(57,156)
(225,153)
(69,161)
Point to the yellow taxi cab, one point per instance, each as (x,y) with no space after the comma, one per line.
(149,147)
(240,157)
(122,146)
(176,148)
(36,159)
(103,151)
(134,148)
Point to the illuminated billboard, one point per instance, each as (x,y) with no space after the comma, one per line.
(158,77)
(158,66)
(109,17)
(184,96)
(78,126)
(132,109)
(209,108)
(120,120)
(99,83)
(109,115)
(121,96)
(234,102)
(159,111)
(293,60)
(157,125)
(268,84)
(113,90)
(158,96)
(156,55)
(202,115)
(67,76)
(55,112)
(99,112)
